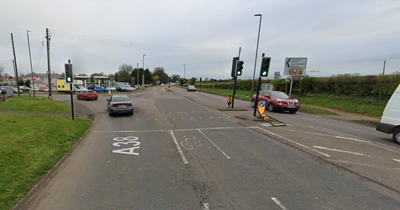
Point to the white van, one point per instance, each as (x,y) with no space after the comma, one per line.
(390,120)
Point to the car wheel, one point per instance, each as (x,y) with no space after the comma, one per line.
(292,111)
(110,113)
(84,98)
(253,103)
(95,99)
(396,136)
(271,107)
(77,97)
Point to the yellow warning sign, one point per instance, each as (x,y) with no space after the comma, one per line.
(261,107)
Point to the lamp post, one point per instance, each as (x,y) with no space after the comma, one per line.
(143,73)
(255,62)
(184,71)
(30,58)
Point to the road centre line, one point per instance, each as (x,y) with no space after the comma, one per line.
(179,149)
(342,151)
(278,202)
(214,144)
(294,142)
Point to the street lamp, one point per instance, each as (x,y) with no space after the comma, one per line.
(255,62)
(30,58)
(143,72)
(184,71)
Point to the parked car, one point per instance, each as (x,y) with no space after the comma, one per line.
(390,119)
(98,89)
(277,101)
(121,89)
(41,89)
(2,90)
(90,87)
(16,90)
(191,88)
(87,94)
(112,88)
(128,88)
(119,104)
(146,85)
(46,89)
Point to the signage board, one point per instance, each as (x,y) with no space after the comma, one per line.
(267,87)
(261,107)
(33,79)
(295,66)
(277,75)
(295,78)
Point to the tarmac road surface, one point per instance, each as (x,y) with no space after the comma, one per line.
(179,151)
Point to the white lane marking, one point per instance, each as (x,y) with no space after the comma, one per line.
(189,129)
(179,149)
(206,206)
(294,142)
(214,144)
(279,203)
(328,135)
(342,151)
(396,160)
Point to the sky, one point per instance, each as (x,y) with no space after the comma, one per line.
(199,38)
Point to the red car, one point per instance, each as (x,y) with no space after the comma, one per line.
(87,94)
(41,89)
(277,101)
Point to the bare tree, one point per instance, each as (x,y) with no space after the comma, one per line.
(1,72)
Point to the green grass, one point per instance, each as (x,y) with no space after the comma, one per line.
(358,105)
(31,144)
(37,104)
(313,110)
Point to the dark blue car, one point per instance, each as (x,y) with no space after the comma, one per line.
(121,89)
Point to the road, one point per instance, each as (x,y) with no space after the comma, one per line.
(179,151)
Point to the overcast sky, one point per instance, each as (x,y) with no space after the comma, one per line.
(337,36)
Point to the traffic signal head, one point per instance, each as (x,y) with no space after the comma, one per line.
(69,76)
(239,68)
(233,72)
(265,66)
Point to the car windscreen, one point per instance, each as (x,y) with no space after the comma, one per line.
(279,95)
(121,99)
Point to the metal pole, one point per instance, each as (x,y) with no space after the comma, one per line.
(184,71)
(48,61)
(143,74)
(258,90)
(15,61)
(255,62)
(137,74)
(384,66)
(30,58)
(72,94)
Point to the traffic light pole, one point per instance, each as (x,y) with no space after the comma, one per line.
(234,91)
(72,100)
(258,92)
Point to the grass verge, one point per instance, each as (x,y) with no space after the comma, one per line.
(37,104)
(30,146)
(368,122)
(313,110)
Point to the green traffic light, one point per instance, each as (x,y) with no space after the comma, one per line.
(264,73)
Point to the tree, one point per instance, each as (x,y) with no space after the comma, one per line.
(124,73)
(27,83)
(148,77)
(175,77)
(193,80)
(20,82)
(83,74)
(159,71)
(156,78)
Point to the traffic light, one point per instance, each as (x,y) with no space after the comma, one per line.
(233,72)
(265,66)
(239,68)
(69,76)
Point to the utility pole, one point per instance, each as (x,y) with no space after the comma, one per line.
(384,66)
(30,58)
(48,62)
(15,61)
(137,73)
